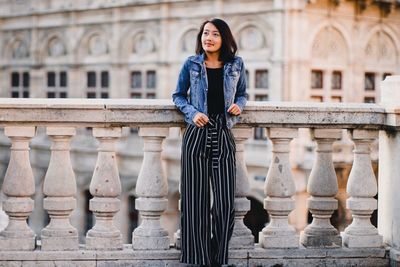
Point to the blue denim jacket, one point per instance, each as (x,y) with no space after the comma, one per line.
(193,76)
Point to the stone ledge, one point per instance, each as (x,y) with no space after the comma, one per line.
(162,112)
(302,252)
(364,262)
(395,255)
(83,254)
(252,257)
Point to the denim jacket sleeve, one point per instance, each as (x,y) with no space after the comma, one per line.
(180,96)
(241,95)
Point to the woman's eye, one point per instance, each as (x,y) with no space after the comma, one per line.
(216,35)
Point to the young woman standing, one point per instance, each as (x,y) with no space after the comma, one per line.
(216,79)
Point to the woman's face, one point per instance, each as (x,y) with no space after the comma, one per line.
(211,40)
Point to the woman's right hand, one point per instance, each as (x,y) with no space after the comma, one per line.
(200,119)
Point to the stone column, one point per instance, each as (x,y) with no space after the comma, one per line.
(389,168)
(361,188)
(60,189)
(242,237)
(5,82)
(151,189)
(279,188)
(18,186)
(37,80)
(105,187)
(322,186)
(76,82)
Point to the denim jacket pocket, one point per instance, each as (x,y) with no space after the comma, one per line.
(194,75)
(231,82)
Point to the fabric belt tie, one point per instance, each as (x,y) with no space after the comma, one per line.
(214,124)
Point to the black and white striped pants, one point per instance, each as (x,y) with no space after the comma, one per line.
(208,165)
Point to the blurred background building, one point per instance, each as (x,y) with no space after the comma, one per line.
(294,50)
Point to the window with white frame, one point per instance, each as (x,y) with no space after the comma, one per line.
(261,79)
(57,84)
(259,133)
(143,84)
(257,82)
(369,99)
(316,79)
(336,83)
(20,84)
(258,86)
(98,83)
(369,81)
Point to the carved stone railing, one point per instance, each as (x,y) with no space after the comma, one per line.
(360,244)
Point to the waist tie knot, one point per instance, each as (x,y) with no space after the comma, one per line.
(214,125)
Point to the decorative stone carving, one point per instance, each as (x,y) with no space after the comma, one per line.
(56,47)
(97,45)
(361,188)
(60,188)
(380,49)
(20,50)
(279,188)
(251,38)
(18,186)
(329,44)
(143,44)
(189,41)
(105,187)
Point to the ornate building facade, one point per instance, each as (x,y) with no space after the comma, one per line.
(298,50)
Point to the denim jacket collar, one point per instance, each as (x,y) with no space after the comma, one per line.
(198,58)
(201,58)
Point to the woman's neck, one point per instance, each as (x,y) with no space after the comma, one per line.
(212,60)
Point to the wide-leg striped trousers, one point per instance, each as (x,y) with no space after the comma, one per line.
(207,193)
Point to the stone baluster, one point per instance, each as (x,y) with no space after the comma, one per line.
(361,188)
(242,237)
(60,190)
(279,188)
(177,234)
(322,186)
(18,186)
(105,187)
(151,189)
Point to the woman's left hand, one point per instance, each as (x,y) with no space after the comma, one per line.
(234,110)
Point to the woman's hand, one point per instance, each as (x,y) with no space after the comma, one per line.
(200,119)
(234,110)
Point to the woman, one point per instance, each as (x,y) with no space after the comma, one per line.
(217,83)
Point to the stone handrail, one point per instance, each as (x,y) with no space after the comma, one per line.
(162,112)
(61,117)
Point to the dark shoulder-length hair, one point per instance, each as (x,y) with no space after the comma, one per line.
(228,47)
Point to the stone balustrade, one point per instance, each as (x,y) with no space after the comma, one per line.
(320,243)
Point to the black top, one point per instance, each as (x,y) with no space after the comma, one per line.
(215,96)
